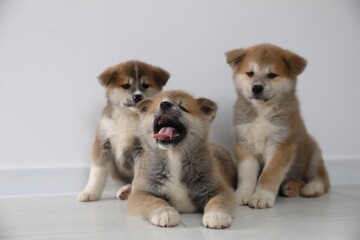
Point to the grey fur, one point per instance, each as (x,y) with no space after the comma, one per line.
(225,163)
(137,148)
(182,170)
(156,167)
(128,161)
(107,144)
(244,112)
(123,176)
(132,153)
(129,156)
(159,173)
(107,153)
(197,175)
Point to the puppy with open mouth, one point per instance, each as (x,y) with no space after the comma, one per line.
(274,150)
(179,171)
(116,143)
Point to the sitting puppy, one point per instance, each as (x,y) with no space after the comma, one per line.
(274,150)
(179,171)
(116,143)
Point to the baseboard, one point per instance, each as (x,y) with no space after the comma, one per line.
(71,180)
(343,171)
(45,181)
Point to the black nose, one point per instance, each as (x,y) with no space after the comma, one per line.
(165,105)
(257,89)
(138,97)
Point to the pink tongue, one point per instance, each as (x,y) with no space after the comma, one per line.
(165,133)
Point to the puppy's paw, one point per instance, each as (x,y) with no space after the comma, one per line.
(88,197)
(291,188)
(243,197)
(165,217)
(216,220)
(262,199)
(124,192)
(313,189)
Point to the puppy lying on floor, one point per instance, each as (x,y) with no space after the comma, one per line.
(179,171)
(274,149)
(116,142)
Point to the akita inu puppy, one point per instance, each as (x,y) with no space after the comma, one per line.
(116,142)
(179,171)
(274,149)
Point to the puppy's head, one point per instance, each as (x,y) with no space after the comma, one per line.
(265,72)
(129,82)
(175,119)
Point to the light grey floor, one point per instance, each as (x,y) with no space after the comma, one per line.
(334,216)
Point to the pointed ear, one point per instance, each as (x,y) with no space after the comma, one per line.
(160,75)
(208,107)
(294,63)
(144,105)
(107,76)
(234,57)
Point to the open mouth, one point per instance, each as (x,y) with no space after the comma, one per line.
(168,131)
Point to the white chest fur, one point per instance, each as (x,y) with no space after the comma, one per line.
(261,134)
(120,128)
(174,189)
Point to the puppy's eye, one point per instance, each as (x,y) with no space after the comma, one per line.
(250,74)
(126,86)
(145,85)
(184,109)
(272,75)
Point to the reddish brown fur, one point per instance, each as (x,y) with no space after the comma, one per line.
(286,63)
(116,76)
(115,142)
(291,160)
(185,99)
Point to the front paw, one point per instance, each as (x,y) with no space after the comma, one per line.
(165,217)
(216,220)
(243,197)
(262,199)
(88,197)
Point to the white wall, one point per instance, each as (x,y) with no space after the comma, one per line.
(52,51)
